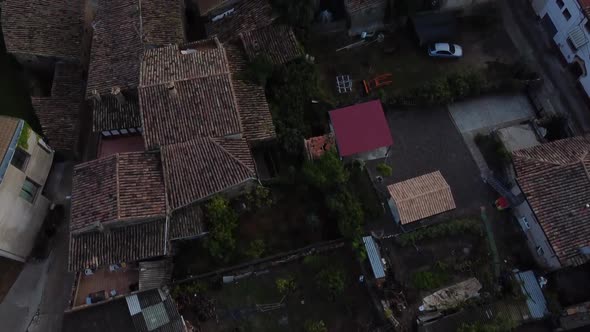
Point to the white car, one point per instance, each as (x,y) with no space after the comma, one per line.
(445,50)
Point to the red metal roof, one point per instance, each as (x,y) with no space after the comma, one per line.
(360,128)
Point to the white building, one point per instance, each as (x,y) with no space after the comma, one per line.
(567,22)
(25,162)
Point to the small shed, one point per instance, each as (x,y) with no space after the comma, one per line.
(375,259)
(362,131)
(420,197)
(531,289)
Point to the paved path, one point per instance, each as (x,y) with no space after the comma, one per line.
(559,92)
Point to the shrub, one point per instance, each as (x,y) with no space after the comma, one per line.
(259,198)
(384,169)
(347,209)
(189,288)
(256,249)
(325,173)
(286,285)
(23,139)
(445,229)
(315,326)
(331,280)
(427,280)
(223,222)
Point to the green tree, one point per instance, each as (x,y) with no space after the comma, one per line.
(223,222)
(256,249)
(286,285)
(347,209)
(326,172)
(384,169)
(331,280)
(259,198)
(501,324)
(315,326)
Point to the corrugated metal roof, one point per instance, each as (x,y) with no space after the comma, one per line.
(133,304)
(374,257)
(578,37)
(154,274)
(531,289)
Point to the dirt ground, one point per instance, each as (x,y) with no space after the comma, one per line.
(236,303)
(400,55)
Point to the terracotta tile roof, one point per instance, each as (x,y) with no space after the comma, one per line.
(116,47)
(254,111)
(276,42)
(43,27)
(353,6)
(317,146)
(193,91)
(186,222)
(189,61)
(68,81)
(7,128)
(248,15)
(122,31)
(162,22)
(59,114)
(201,107)
(109,114)
(122,187)
(59,118)
(197,169)
(554,178)
(116,244)
(421,197)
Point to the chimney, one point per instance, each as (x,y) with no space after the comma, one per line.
(171,89)
(95,95)
(116,91)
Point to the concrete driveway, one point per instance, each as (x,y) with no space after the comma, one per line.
(491,112)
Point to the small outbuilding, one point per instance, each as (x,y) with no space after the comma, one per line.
(375,259)
(361,131)
(420,197)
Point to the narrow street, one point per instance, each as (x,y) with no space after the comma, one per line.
(559,92)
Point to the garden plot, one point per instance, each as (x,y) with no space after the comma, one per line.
(321,290)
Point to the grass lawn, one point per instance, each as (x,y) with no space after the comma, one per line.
(236,302)
(14,98)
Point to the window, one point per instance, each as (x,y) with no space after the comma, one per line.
(525,223)
(29,190)
(20,159)
(560,3)
(567,14)
(540,251)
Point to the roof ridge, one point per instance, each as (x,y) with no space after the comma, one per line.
(214,140)
(426,193)
(198,77)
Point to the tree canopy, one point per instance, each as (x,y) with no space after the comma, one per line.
(223,222)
